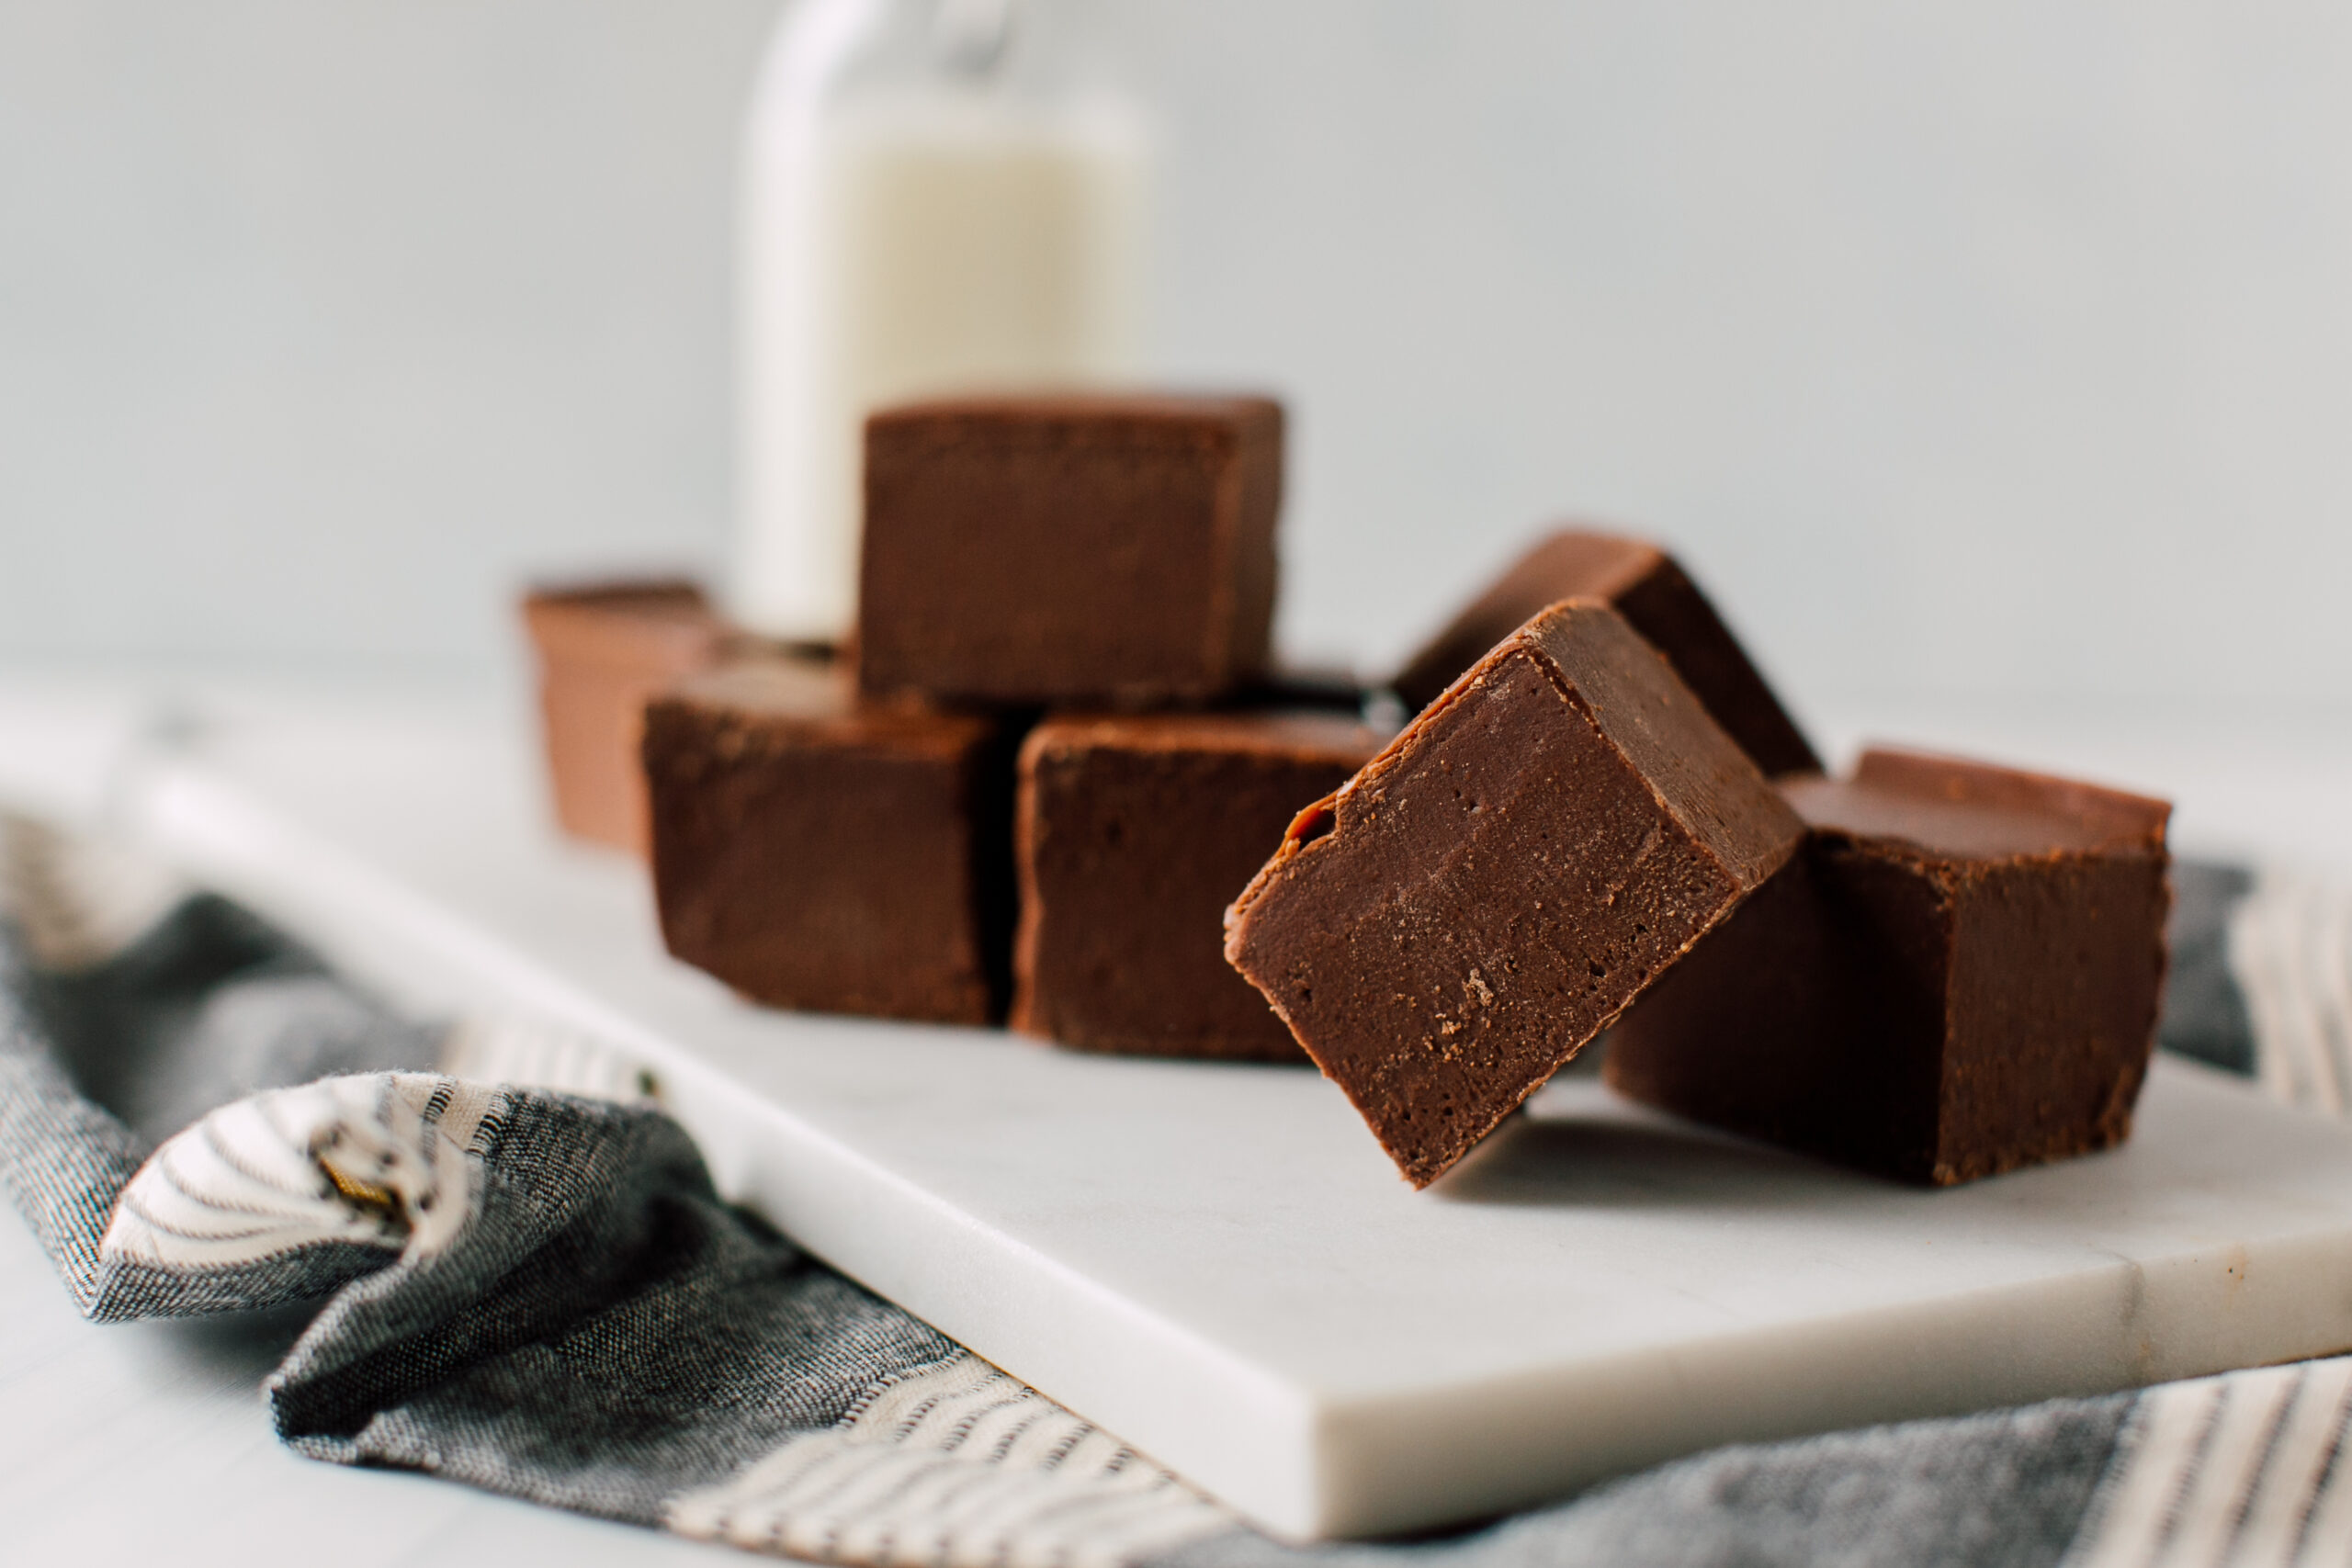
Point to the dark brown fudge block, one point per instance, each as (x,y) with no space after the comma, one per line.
(1957,976)
(1445,932)
(815,853)
(1132,835)
(1645,586)
(1103,549)
(602,648)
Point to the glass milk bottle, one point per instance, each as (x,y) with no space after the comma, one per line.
(934,201)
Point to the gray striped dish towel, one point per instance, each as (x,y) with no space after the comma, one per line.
(526,1283)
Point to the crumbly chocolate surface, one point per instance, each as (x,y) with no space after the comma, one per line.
(814,852)
(1132,834)
(1957,976)
(1445,932)
(1656,596)
(603,649)
(1105,550)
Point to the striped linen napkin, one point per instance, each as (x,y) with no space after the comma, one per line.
(528,1284)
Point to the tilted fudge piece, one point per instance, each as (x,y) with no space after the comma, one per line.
(1645,586)
(813,852)
(1106,549)
(1959,975)
(1132,834)
(602,648)
(1492,890)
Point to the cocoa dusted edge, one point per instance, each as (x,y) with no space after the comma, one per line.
(1443,933)
(1960,975)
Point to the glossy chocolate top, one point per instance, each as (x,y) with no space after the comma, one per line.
(1664,731)
(1643,584)
(1572,563)
(1951,807)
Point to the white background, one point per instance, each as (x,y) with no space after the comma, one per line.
(1987,351)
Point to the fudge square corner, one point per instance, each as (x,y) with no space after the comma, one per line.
(1959,975)
(1132,833)
(816,853)
(1496,886)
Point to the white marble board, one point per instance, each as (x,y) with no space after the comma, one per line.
(1217,1263)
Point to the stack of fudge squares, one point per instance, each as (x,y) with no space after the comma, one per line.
(1030,789)
(1055,781)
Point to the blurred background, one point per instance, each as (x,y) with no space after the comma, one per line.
(1984,352)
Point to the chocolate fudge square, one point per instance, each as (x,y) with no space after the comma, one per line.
(602,648)
(1447,930)
(1957,976)
(1643,584)
(1132,834)
(1104,550)
(817,853)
